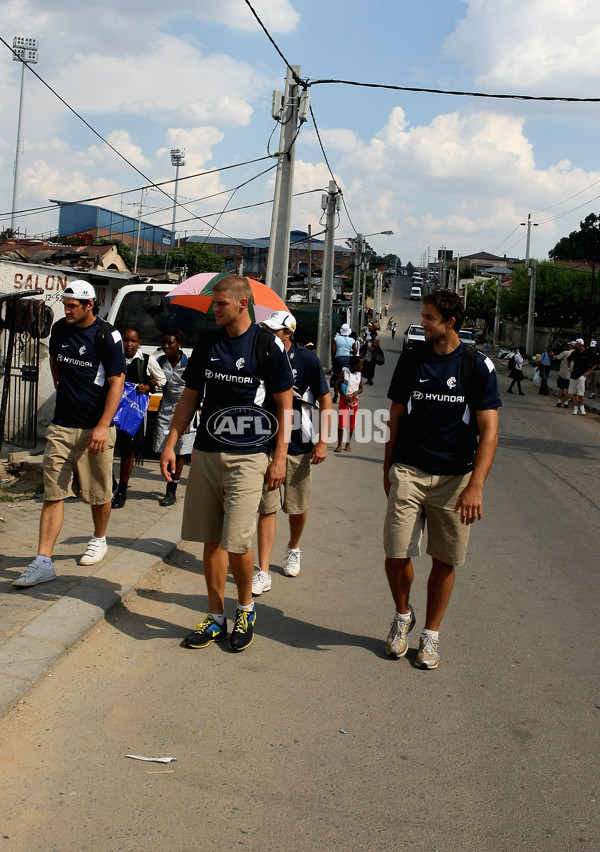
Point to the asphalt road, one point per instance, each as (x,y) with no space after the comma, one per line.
(313,739)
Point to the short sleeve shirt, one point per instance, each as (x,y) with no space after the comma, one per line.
(579,362)
(83,371)
(438,431)
(309,384)
(228,373)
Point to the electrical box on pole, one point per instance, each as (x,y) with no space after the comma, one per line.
(279,243)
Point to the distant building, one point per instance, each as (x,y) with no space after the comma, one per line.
(89,223)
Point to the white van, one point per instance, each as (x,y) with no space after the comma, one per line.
(148,308)
(416,293)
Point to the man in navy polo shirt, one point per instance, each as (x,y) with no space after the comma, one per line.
(442,441)
(89,373)
(310,387)
(231,376)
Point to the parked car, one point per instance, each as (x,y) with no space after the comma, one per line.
(413,336)
(416,293)
(467,337)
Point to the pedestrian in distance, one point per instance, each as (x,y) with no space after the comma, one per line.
(145,373)
(544,369)
(516,371)
(394,327)
(593,356)
(578,364)
(310,390)
(442,440)
(342,347)
(88,368)
(349,386)
(564,375)
(371,355)
(173,362)
(232,370)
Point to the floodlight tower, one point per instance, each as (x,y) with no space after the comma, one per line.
(25,51)
(177,160)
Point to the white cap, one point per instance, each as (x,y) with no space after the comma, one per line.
(593,342)
(279,320)
(81,290)
(580,340)
(345,330)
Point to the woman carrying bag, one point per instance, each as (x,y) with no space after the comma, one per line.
(373,356)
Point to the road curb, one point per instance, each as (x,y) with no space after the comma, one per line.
(26,657)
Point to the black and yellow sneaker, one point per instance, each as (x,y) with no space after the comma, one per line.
(243,630)
(206,632)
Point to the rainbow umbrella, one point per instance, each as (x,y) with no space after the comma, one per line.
(196,293)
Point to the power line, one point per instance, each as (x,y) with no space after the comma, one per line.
(46,207)
(308,83)
(268,35)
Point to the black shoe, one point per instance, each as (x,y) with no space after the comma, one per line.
(243,630)
(521,393)
(118,501)
(168,499)
(509,391)
(206,632)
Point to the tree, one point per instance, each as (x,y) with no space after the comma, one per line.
(409,268)
(563,297)
(8,234)
(481,301)
(583,244)
(197,258)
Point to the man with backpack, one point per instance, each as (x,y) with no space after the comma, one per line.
(442,440)
(88,367)
(231,371)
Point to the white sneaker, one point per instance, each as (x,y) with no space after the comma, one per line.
(95,552)
(35,573)
(261,582)
(291,564)
(565,404)
(582,409)
(575,410)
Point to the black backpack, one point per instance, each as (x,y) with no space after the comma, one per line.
(512,363)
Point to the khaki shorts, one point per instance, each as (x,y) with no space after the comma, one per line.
(416,497)
(577,386)
(296,489)
(70,470)
(222,494)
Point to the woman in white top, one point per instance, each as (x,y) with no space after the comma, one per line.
(516,374)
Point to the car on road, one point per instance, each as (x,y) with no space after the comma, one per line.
(416,293)
(413,336)
(467,336)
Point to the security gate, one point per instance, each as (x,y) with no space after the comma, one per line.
(23,323)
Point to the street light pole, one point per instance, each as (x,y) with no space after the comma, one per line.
(358,246)
(529,344)
(25,52)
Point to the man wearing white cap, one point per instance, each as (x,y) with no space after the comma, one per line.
(88,367)
(310,388)
(578,364)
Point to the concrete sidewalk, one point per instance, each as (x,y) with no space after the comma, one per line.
(41,623)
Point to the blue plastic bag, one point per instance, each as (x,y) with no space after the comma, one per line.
(132,410)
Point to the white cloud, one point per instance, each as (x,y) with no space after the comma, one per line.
(545,47)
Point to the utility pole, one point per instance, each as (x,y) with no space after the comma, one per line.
(358,244)
(496,336)
(137,239)
(363,306)
(289,109)
(309,274)
(531,309)
(330,203)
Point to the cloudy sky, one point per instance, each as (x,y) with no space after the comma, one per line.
(438,170)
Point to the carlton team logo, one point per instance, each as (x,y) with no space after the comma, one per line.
(242,426)
(451,382)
